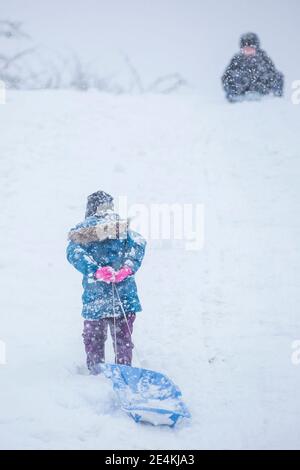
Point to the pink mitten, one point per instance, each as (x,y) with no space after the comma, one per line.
(122,274)
(105,274)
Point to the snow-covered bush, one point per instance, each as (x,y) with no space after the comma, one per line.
(40,68)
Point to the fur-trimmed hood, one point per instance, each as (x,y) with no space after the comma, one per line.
(108,225)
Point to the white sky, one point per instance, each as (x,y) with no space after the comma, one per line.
(194,37)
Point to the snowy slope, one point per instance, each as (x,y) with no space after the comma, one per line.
(220,321)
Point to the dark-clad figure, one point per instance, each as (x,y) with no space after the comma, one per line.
(251,73)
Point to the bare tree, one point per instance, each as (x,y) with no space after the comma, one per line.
(137,80)
(164,84)
(9,72)
(81,78)
(12,29)
(167,83)
(33,68)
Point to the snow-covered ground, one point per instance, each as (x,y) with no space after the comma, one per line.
(220,321)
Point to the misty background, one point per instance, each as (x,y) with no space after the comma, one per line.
(193,38)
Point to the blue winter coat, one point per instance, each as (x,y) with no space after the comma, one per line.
(87,257)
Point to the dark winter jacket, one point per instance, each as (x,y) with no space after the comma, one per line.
(90,249)
(255,74)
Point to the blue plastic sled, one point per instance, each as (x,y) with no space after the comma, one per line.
(147,396)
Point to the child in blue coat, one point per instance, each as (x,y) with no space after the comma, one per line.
(108,254)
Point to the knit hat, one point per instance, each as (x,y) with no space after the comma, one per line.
(250,40)
(98,202)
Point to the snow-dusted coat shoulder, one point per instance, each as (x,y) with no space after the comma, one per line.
(87,254)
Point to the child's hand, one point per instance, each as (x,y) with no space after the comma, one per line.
(105,274)
(122,274)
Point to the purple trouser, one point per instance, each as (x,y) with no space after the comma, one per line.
(95,335)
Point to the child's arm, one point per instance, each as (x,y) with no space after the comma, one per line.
(135,251)
(80,259)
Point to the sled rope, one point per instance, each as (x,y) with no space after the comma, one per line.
(116,295)
(115,330)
